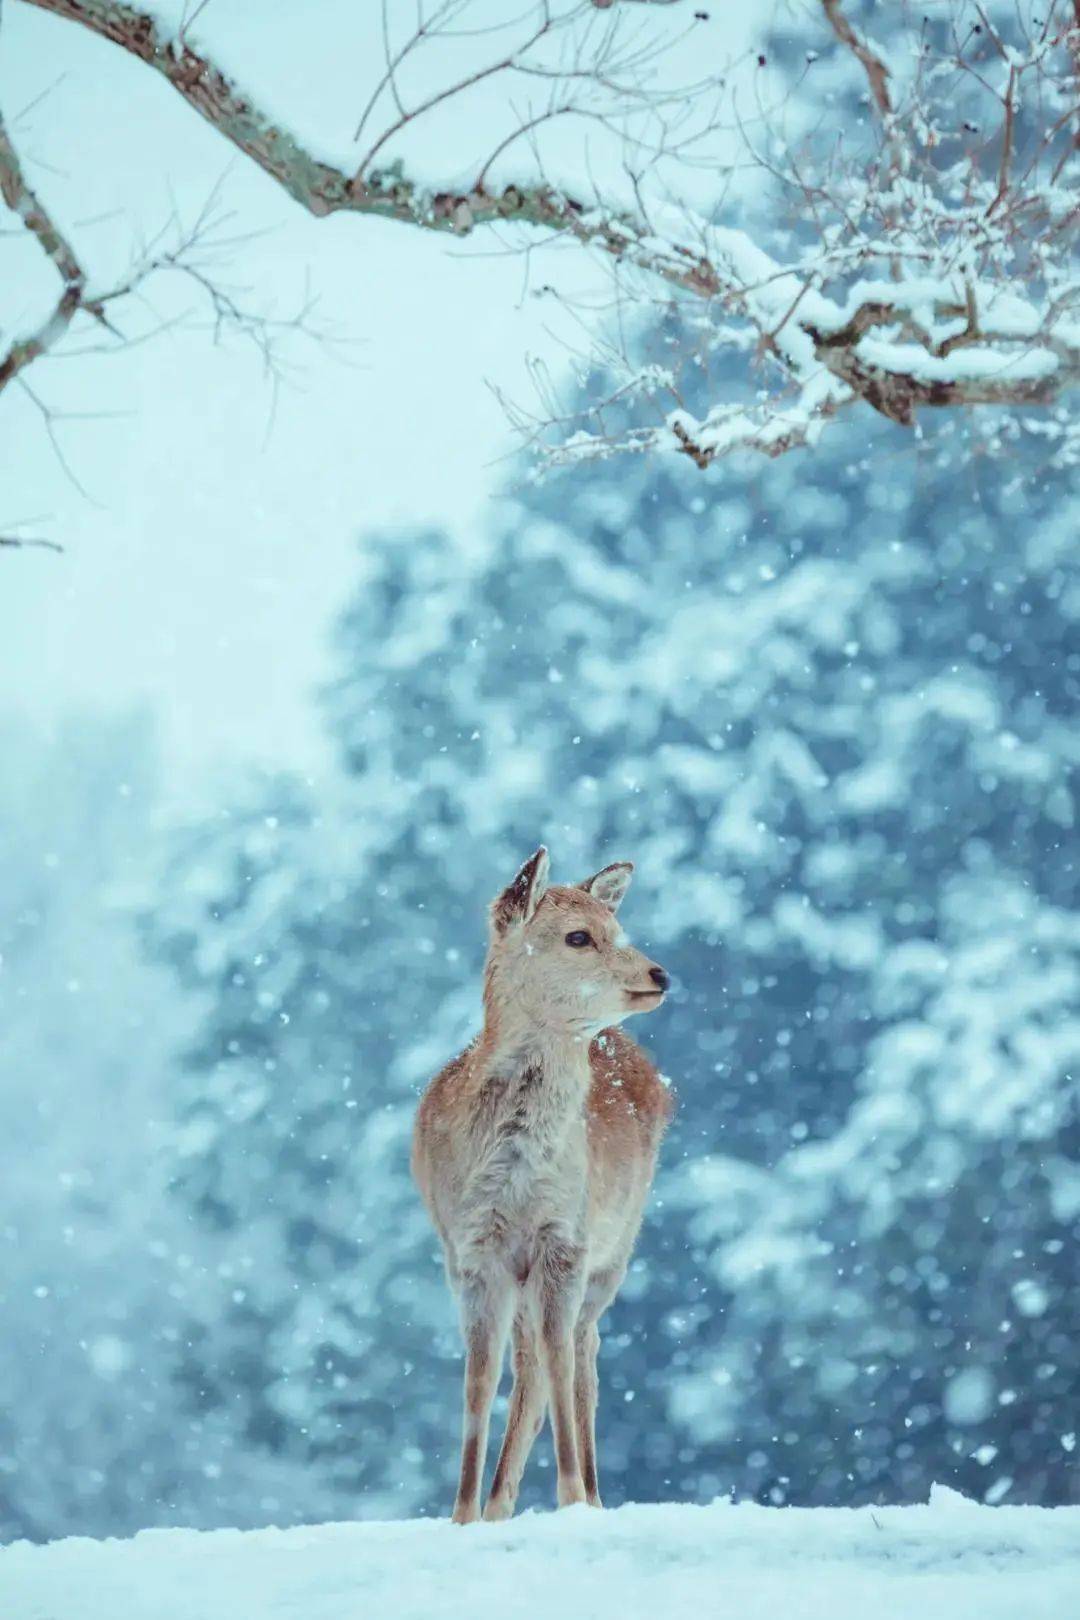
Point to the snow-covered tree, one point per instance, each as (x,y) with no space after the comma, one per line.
(907,1286)
(100,1268)
(828,712)
(85,1399)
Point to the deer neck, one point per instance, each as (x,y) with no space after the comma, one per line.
(554,1060)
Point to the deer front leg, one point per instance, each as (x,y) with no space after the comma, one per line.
(523,1422)
(599,1293)
(586,1391)
(561,1283)
(486,1304)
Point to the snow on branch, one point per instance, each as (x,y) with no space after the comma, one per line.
(919,255)
(932,266)
(385,191)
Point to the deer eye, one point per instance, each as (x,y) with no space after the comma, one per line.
(578,937)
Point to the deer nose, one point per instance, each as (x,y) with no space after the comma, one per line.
(659,977)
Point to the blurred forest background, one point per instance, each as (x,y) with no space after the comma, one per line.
(828,705)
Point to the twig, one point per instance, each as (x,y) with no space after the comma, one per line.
(22,543)
(1006,142)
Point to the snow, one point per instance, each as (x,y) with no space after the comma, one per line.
(950,1558)
(965,365)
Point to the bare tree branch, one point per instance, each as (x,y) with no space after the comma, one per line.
(875,69)
(193,255)
(23,202)
(15,541)
(22,544)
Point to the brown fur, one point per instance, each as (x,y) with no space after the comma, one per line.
(534,1152)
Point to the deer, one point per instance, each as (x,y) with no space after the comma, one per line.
(534,1152)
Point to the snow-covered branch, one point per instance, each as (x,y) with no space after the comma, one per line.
(930,265)
(925,265)
(385,192)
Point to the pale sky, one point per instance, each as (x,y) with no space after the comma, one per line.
(205,561)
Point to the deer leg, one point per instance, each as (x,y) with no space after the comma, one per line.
(599,1293)
(485,1315)
(524,1420)
(586,1390)
(561,1280)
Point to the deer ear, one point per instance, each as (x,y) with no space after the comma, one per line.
(520,900)
(610,885)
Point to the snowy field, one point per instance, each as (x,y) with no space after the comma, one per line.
(950,1560)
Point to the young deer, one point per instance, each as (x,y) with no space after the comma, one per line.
(534,1151)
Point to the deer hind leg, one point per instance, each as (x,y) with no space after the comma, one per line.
(486,1304)
(600,1291)
(524,1420)
(561,1282)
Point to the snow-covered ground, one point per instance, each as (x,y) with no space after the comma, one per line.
(950,1560)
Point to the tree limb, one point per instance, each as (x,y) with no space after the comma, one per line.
(876,72)
(22,201)
(386,194)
